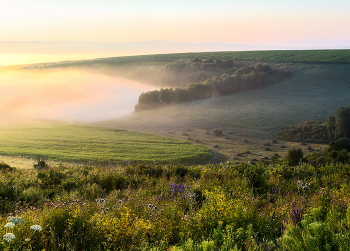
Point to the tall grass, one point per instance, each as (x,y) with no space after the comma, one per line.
(176,207)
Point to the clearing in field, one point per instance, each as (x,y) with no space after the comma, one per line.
(82,143)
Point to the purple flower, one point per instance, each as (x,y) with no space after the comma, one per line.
(296,215)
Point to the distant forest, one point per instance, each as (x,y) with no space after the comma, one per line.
(200,79)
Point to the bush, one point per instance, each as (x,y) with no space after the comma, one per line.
(111,181)
(50,177)
(33,195)
(41,164)
(294,157)
(256,176)
(6,167)
(337,152)
(340,144)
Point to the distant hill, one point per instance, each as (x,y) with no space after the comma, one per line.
(340,56)
(161,46)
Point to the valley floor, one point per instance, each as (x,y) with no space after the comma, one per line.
(249,119)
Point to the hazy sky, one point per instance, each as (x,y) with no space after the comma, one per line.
(236,21)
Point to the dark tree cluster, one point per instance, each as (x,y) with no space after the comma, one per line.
(308,131)
(336,127)
(336,152)
(336,131)
(339,125)
(242,79)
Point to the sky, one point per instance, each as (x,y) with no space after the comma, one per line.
(235,21)
(248,22)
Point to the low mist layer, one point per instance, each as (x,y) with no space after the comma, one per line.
(68,95)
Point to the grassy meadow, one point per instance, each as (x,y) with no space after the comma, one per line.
(174,207)
(160,198)
(72,143)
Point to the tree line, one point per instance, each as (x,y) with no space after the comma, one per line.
(336,127)
(242,79)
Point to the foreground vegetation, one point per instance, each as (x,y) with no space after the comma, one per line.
(160,207)
(97,144)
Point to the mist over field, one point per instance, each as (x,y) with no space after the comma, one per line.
(68,95)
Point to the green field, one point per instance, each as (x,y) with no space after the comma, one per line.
(103,145)
(275,56)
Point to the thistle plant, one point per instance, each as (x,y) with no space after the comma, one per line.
(118,204)
(152,210)
(191,198)
(103,204)
(304,187)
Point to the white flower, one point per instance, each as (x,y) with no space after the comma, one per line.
(15,219)
(9,237)
(36,228)
(10,224)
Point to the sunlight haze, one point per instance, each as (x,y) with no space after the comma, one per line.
(246,22)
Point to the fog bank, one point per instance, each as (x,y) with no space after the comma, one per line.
(65,95)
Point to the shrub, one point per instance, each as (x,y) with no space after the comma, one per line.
(50,177)
(6,167)
(256,176)
(294,157)
(340,144)
(337,152)
(33,195)
(111,181)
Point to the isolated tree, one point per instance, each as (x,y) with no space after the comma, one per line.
(342,124)
(331,126)
(294,156)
